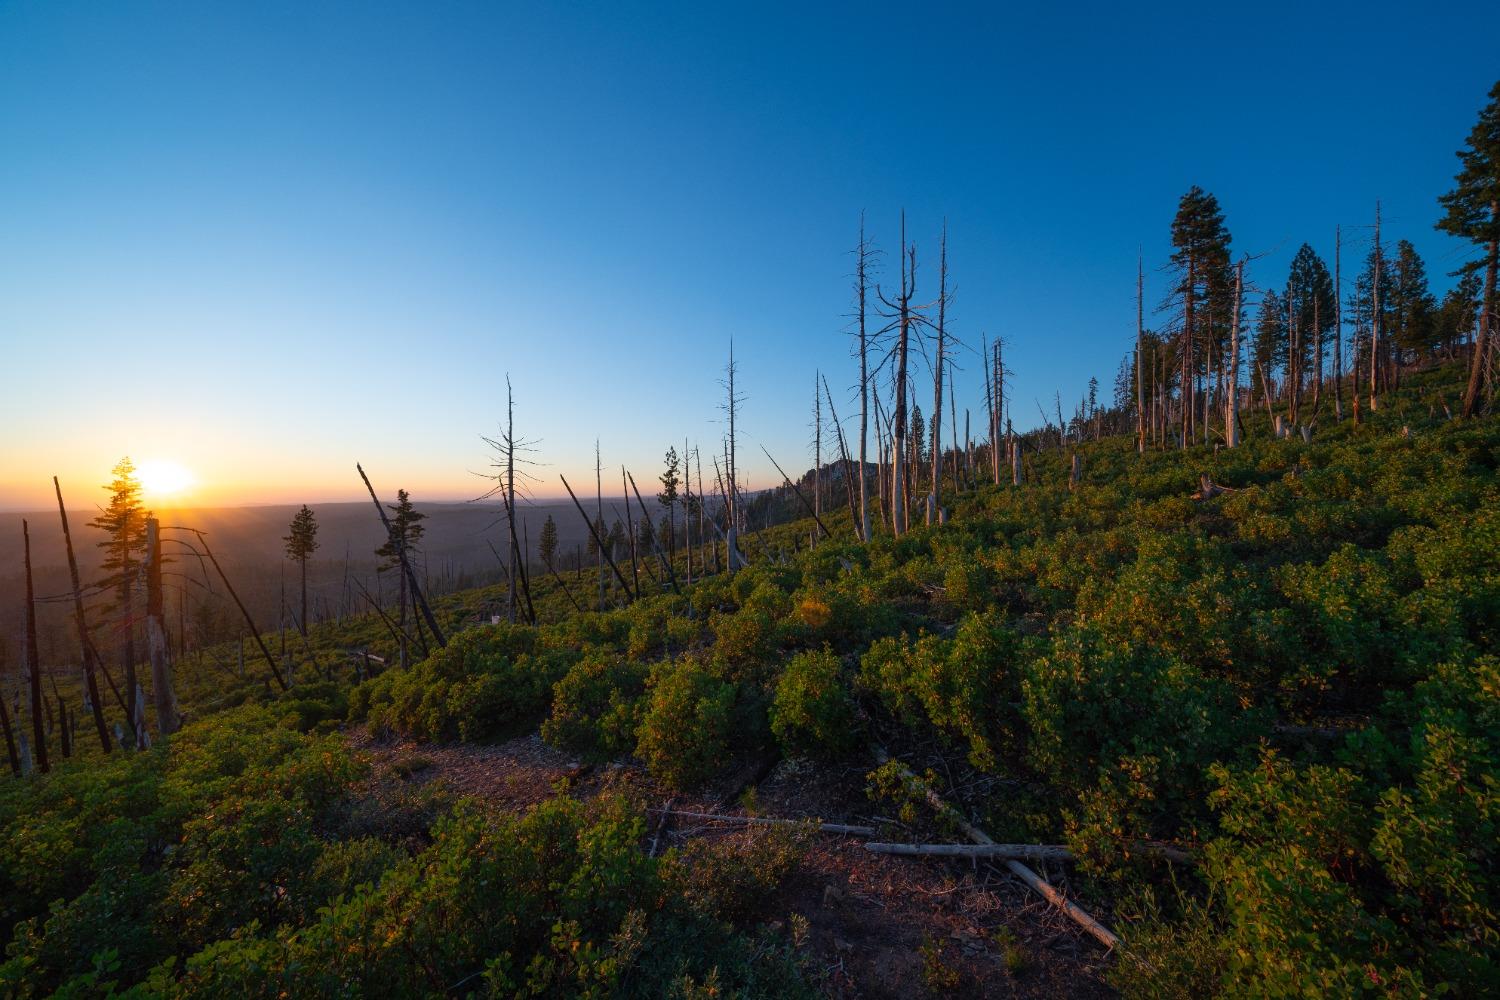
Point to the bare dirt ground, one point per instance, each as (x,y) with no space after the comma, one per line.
(880,926)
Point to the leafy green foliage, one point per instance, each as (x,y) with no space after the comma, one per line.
(812,712)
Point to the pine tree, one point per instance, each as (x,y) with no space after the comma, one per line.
(1310,316)
(1473,214)
(668,498)
(919,433)
(548,542)
(123,520)
(1412,306)
(1270,336)
(1456,316)
(406,532)
(301,543)
(616,539)
(1201,258)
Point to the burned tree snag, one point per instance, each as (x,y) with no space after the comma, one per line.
(934,498)
(33,659)
(168,718)
(406,567)
(90,678)
(1231,404)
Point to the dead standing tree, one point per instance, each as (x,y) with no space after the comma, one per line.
(905,319)
(163,691)
(505,448)
(406,567)
(90,674)
(864,253)
(33,658)
(1231,402)
(732,403)
(934,498)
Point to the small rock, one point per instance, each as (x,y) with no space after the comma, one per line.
(832,895)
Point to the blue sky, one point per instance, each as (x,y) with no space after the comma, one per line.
(266,240)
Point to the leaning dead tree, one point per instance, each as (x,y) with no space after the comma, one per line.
(406,566)
(603,547)
(805,502)
(90,664)
(208,553)
(33,658)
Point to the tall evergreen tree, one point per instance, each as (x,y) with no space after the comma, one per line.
(1457,315)
(1412,306)
(668,498)
(548,542)
(1270,336)
(1473,213)
(123,520)
(406,533)
(301,543)
(1310,316)
(1200,256)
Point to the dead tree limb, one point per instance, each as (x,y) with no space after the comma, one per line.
(810,509)
(603,549)
(406,567)
(655,544)
(86,647)
(33,660)
(244,611)
(820,827)
(1033,881)
(1022,852)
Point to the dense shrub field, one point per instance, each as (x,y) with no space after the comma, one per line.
(1298,681)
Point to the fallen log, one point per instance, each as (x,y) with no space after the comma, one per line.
(1033,881)
(1032,852)
(857,831)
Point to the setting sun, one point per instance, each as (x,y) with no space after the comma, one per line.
(164,478)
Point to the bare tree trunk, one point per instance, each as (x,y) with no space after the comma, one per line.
(934,498)
(1338,326)
(1188,372)
(862,287)
(817,451)
(687,521)
(848,465)
(635,572)
(1140,334)
(163,692)
(1375,316)
(1478,364)
(33,658)
(898,449)
(624,584)
(90,679)
(406,567)
(1232,402)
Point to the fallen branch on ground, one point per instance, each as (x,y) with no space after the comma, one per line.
(1033,852)
(858,831)
(1034,881)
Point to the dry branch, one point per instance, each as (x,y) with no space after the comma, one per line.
(841,828)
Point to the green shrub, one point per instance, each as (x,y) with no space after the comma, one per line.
(685,736)
(812,713)
(597,708)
